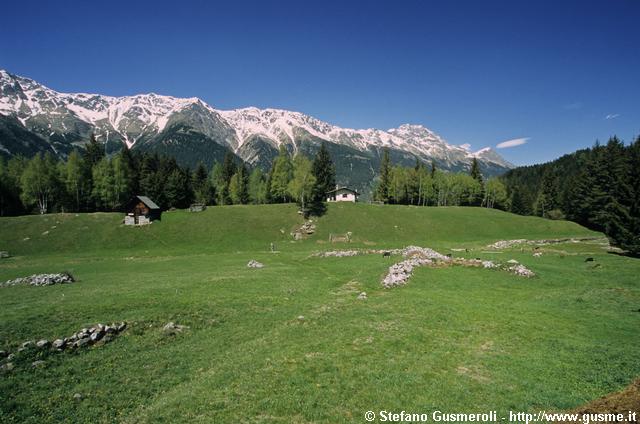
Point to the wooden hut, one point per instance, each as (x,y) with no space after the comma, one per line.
(141,210)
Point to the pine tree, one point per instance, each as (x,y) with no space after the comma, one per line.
(548,196)
(238,187)
(324,173)
(122,180)
(519,203)
(177,189)
(150,179)
(619,222)
(94,151)
(201,185)
(228,167)
(382,191)
(478,196)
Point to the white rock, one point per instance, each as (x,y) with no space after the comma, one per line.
(255,264)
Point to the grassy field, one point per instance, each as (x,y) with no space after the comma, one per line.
(454,339)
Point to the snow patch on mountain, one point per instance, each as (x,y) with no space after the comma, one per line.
(147,115)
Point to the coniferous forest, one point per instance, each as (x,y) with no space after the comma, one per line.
(90,181)
(597,187)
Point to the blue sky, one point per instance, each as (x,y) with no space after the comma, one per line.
(559,74)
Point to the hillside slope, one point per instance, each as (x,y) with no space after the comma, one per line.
(293,342)
(253,228)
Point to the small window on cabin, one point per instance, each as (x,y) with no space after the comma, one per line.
(345,195)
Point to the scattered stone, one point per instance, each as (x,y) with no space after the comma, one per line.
(43,344)
(7,367)
(504,244)
(81,342)
(338,253)
(489,264)
(537,254)
(3,353)
(38,364)
(77,396)
(512,261)
(95,336)
(11,357)
(58,344)
(173,328)
(521,270)
(4,254)
(362,296)
(28,344)
(41,280)
(300,318)
(45,233)
(255,264)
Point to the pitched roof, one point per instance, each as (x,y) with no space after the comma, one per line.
(343,188)
(150,203)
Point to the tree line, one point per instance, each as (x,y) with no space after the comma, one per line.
(597,187)
(89,181)
(428,186)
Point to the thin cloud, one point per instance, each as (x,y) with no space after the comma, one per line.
(573,106)
(612,116)
(512,143)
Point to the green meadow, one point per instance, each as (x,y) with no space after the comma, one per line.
(453,339)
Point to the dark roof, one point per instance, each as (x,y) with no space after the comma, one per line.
(150,203)
(343,188)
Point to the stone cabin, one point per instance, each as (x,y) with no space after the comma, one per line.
(342,194)
(141,210)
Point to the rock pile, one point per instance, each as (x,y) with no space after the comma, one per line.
(504,244)
(41,280)
(400,273)
(306,229)
(362,296)
(97,335)
(337,253)
(4,254)
(423,252)
(255,264)
(521,270)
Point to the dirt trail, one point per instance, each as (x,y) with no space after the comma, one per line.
(622,402)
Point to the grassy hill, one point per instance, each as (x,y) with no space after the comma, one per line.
(253,228)
(453,339)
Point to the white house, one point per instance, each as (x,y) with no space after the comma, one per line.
(342,194)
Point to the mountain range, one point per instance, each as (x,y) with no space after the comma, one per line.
(35,118)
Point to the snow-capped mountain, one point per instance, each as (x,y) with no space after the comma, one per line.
(36,118)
